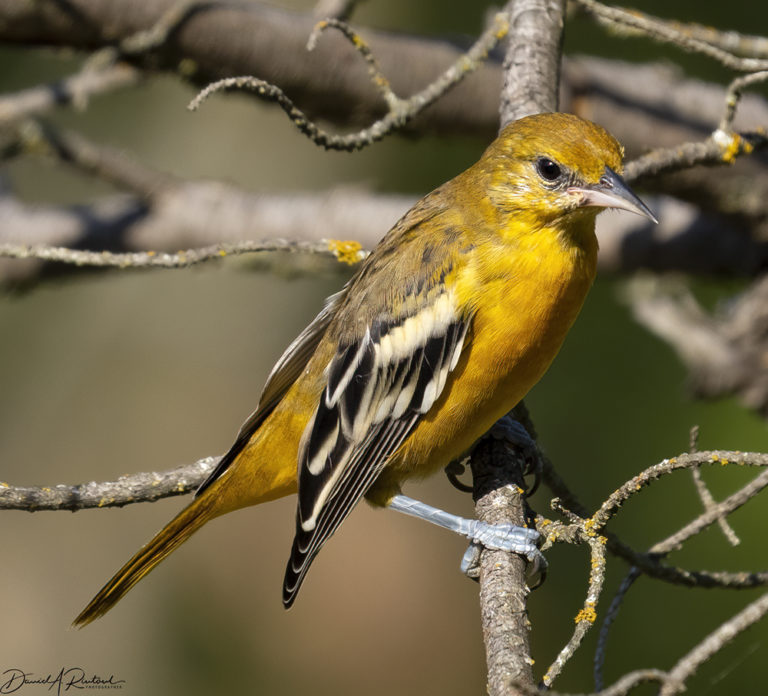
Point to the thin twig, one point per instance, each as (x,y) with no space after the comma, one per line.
(401,111)
(710,504)
(586,617)
(716,512)
(661,30)
(181,259)
(733,96)
(647,562)
(610,616)
(102,162)
(713,643)
(75,89)
(707,500)
(684,461)
(720,148)
(733,42)
(378,79)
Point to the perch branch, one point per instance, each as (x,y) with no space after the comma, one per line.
(497,470)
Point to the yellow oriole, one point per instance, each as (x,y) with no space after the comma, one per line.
(443,329)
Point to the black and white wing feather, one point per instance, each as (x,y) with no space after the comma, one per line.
(378,387)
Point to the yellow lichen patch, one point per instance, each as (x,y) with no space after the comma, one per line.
(588,613)
(346,251)
(222,252)
(732,149)
(3,484)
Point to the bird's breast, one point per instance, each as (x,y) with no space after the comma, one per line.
(524,301)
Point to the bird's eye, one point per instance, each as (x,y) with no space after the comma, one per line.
(547,169)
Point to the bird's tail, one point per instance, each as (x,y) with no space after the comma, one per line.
(169,538)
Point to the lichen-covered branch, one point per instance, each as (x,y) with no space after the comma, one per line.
(135,488)
(669,32)
(400,111)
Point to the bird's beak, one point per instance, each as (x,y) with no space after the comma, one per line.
(612,192)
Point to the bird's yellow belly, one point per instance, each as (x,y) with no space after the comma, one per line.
(513,340)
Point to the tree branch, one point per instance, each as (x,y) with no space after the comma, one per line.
(400,111)
(724,351)
(135,488)
(530,86)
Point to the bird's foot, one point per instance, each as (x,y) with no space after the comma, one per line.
(516,436)
(504,537)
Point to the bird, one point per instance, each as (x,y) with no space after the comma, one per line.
(443,329)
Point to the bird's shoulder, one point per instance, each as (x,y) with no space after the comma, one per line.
(412,268)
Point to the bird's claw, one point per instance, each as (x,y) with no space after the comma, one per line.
(515,435)
(505,537)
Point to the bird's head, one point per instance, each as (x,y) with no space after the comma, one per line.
(552,168)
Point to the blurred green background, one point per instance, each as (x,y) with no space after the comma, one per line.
(116,373)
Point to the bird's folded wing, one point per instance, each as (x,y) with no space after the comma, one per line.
(378,388)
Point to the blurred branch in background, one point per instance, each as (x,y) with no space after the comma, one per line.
(725,350)
(681,132)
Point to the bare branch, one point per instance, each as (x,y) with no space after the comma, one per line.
(610,616)
(136,488)
(709,503)
(181,259)
(198,214)
(733,97)
(674,682)
(76,89)
(668,32)
(641,104)
(719,148)
(585,619)
(105,163)
(723,351)
(684,461)
(532,60)
(649,563)
(731,42)
(400,111)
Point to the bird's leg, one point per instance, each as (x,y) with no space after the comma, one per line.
(511,432)
(502,537)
